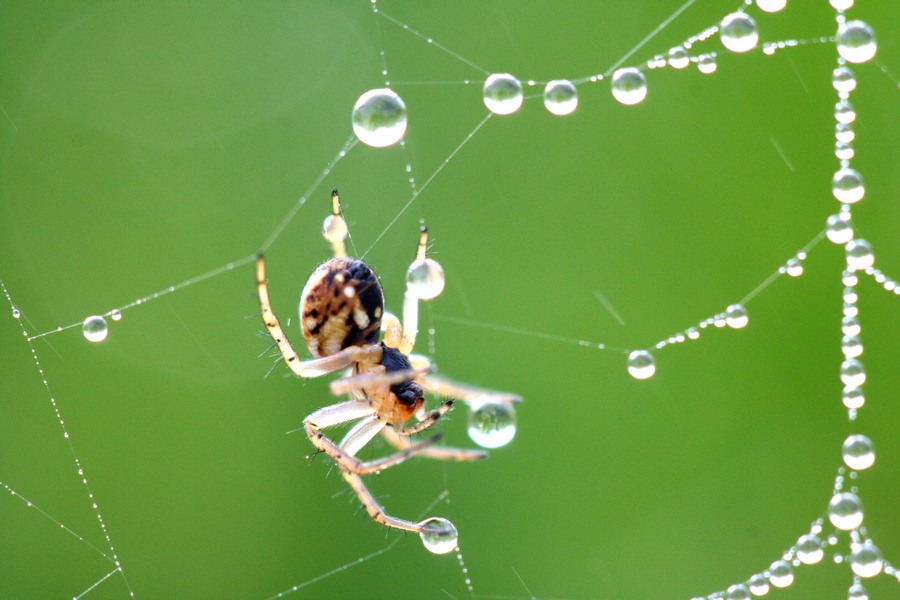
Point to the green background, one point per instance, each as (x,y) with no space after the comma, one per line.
(144,144)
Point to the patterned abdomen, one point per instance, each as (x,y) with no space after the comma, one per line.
(340,306)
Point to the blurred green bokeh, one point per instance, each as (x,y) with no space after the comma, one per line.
(144,144)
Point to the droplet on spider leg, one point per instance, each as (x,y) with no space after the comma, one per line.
(379,118)
(845,511)
(560,97)
(738,32)
(858,452)
(334,229)
(425,278)
(95,329)
(502,94)
(439,536)
(641,364)
(856,41)
(865,559)
(629,86)
(491,422)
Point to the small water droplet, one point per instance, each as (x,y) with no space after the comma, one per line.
(692,333)
(737,591)
(793,267)
(781,574)
(15,313)
(859,255)
(857,592)
(853,397)
(641,364)
(439,535)
(379,118)
(334,229)
(845,511)
(491,422)
(865,559)
(809,549)
(425,279)
(841,4)
(560,97)
(629,86)
(851,346)
(95,329)
(847,186)
(502,94)
(736,316)
(844,112)
(771,6)
(853,373)
(738,32)
(706,64)
(678,57)
(758,584)
(843,79)
(858,452)
(115,315)
(850,326)
(856,41)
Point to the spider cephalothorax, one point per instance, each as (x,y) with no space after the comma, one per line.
(342,315)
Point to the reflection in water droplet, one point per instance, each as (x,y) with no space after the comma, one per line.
(706,64)
(115,315)
(678,57)
(845,511)
(838,228)
(781,574)
(736,316)
(809,549)
(758,584)
(859,255)
(491,422)
(856,41)
(858,452)
(641,364)
(865,559)
(502,94)
(629,86)
(379,118)
(439,535)
(425,279)
(847,186)
(560,97)
(843,79)
(95,329)
(738,32)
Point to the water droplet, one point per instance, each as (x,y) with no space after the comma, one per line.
(841,4)
(843,151)
(793,267)
(853,374)
(859,255)
(847,186)
(844,112)
(641,364)
(706,64)
(856,41)
(95,329)
(771,5)
(858,452)
(857,592)
(736,316)
(849,295)
(425,279)
(692,333)
(843,79)
(15,313)
(334,229)
(738,32)
(781,574)
(853,397)
(502,94)
(629,86)
(678,57)
(844,134)
(851,346)
(737,591)
(115,315)
(379,118)
(491,422)
(758,584)
(845,511)
(809,549)
(850,326)
(560,97)
(865,559)
(439,535)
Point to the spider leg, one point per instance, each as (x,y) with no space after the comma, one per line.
(436,452)
(442,386)
(372,378)
(306,368)
(376,510)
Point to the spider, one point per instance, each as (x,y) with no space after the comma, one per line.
(341,316)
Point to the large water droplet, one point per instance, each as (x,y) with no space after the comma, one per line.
(809,549)
(95,329)
(758,584)
(856,41)
(738,32)
(845,511)
(334,229)
(838,228)
(771,5)
(737,591)
(781,574)
(843,79)
(859,255)
(858,452)
(853,373)
(736,316)
(865,559)
(629,86)
(853,397)
(560,97)
(491,422)
(379,118)
(706,64)
(439,535)
(502,94)
(641,364)
(425,279)
(678,57)
(847,186)
(841,4)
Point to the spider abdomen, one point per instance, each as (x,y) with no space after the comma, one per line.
(341,306)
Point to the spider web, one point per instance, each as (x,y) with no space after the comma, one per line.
(149,149)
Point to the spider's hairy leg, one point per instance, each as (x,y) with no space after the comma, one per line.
(372,378)
(428,420)
(339,413)
(435,452)
(335,228)
(442,386)
(411,302)
(376,510)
